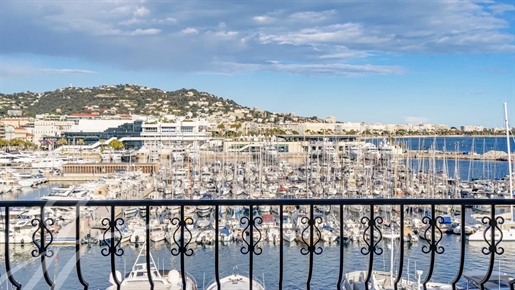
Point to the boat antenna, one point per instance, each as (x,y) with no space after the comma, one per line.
(509,153)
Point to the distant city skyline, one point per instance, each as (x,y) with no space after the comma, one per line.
(398,62)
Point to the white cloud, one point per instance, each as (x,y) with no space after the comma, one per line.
(65,71)
(415,120)
(337,69)
(337,33)
(312,16)
(189,30)
(141,11)
(330,69)
(263,19)
(501,8)
(131,21)
(20,69)
(342,38)
(121,10)
(149,31)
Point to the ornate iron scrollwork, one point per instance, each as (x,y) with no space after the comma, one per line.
(39,245)
(433,226)
(181,224)
(248,239)
(492,248)
(317,235)
(113,244)
(372,246)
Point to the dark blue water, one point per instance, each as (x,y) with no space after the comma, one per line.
(465,169)
(96,267)
(478,145)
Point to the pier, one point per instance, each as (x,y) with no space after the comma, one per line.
(103,168)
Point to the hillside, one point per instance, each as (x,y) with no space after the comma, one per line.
(126,99)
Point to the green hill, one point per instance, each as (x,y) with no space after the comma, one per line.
(119,99)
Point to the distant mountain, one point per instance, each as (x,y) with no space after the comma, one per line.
(127,99)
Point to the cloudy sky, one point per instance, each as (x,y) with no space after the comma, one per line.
(407,61)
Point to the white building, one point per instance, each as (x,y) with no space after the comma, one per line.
(85,125)
(49,128)
(472,128)
(180,129)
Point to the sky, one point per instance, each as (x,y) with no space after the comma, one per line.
(373,61)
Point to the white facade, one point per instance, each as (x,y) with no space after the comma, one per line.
(49,128)
(180,130)
(472,128)
(9,132)
(96,125)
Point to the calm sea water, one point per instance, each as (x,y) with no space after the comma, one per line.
(460,144)
(96,267)
(463,168)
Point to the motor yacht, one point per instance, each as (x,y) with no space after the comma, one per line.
(138,278)
(236,282)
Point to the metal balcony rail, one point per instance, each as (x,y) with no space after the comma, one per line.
(251,234)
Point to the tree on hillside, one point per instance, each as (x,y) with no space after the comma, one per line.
(237,126)
(221,129)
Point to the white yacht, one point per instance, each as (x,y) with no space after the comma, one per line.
(111,155)
(137,278)
(49,163)
(20,233)
(378,280)
(497,281)
(178,153)
(388,151)
(508,233)
(235,282)
(27,180)
(329,153)
(67,193)
(270,152)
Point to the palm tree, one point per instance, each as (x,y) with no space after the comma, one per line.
(81,143)
(4,143)
(62,141)
(102,142)
(29,145)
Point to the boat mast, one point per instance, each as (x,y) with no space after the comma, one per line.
(509,153)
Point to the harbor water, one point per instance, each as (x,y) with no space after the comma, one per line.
(96,267)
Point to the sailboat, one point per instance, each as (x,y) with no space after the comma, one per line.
(508,227)
(163,279)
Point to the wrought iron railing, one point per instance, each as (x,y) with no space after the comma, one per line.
(43,237)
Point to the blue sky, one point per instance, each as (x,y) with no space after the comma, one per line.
(443,62)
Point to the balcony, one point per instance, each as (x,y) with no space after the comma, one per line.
(340,244)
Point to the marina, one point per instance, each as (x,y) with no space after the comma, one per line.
(362,174)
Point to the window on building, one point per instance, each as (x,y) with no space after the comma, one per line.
(150,129)
(186,128)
